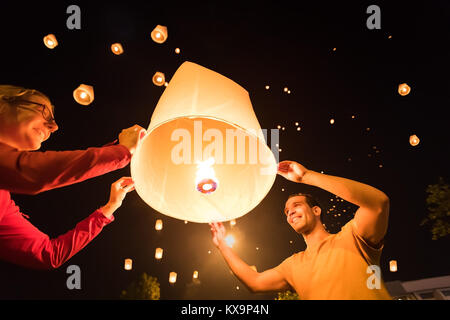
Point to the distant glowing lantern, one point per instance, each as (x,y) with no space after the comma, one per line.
(254,268)
(289,91)
(230,241)
(195,275)
(177,50)
(285,89)
(193,156)
(393,265)
(172,277)
(84,94)
(267,87)
(117,48)
(233,222)
(159,79)
(50,41)
(158,224)
(414,140)
(166,84)
(128,264)
(403,89)
(296,123)
(334,49)
(158,253)
(159,34)
(331,121)
(298,128)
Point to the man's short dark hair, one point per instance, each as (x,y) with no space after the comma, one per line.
(311,201)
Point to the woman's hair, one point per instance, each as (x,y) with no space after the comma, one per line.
(9,93)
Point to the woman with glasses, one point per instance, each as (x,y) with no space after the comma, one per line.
(26,120)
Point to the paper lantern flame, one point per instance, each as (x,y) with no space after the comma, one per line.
(205,179)
(205,157)
(50,41)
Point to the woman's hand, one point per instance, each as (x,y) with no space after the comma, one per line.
(218,233)
(292,170)
(119,190)
(131,137)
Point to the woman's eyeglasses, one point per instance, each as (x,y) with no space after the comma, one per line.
(47,113)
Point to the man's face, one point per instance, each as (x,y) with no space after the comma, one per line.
(299,214)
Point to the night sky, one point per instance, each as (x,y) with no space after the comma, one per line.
(276,44)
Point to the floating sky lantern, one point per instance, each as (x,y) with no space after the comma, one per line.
(195,275)
(128,264)
(159,34)
(166,84)
(393,265)
(158,253)
(159,79)
(414,140)
(50,41)
(84,94)
(172,277)
(158,224)
(267,87)
(403,89)
(177,50)
(331,121)
(285,89)
(117,48)
(200,119)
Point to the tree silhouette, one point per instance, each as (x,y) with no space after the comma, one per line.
(438,201)
(145,288)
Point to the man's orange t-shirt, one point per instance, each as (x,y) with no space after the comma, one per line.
(336,269)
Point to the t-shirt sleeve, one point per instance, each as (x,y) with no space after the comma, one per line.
(369,253)
(285,269)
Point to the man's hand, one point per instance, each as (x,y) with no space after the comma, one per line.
(292,170)
(131,137)
(119,190)
(218,233)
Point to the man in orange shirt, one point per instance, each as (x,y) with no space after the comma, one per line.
(333,266)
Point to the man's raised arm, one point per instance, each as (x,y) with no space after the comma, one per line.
(270,280)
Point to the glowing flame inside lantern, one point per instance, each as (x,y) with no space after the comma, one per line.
(50,41)
(393,265)
(172,277)
(414,140)
(404,89)
(205,179)
(158,253)
(158,224)
(128,264)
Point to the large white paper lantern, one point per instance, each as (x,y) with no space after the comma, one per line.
(205,157)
